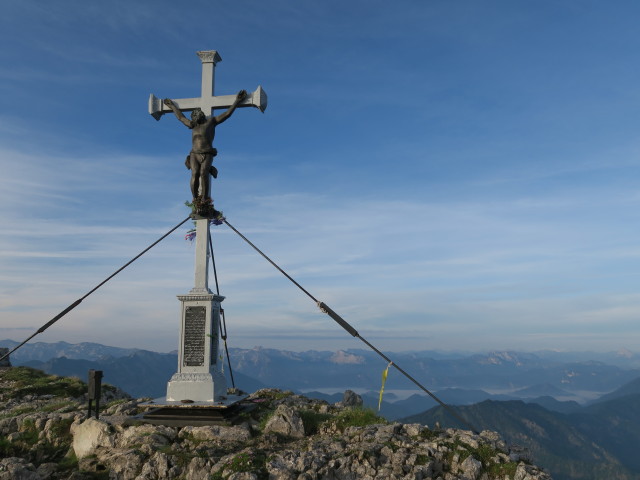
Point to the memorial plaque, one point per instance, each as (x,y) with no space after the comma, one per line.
(194,336)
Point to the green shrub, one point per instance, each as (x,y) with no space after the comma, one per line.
(266,415)
(356,417)
(6,448)
(312,420)
(27,444)
(254,462)
(500,470)
(485,454)
(68,462)
(428,434)
(392,446)
(28,432)
(62,430)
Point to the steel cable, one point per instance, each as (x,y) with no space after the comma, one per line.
(344,324)
(79,301)
(223,323)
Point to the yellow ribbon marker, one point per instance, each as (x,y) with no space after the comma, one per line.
(385,373)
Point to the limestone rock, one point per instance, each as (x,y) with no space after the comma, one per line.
(471,468)
(124,408)
(14,468)
(529,472)
(119,449)
(146,434)
(123,464)
(351,399)
(286,421)
(47,470)
(89,435)
(242,476)
(236,433)
(160,465)
(198,469)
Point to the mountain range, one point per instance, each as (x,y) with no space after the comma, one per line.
(557,381)
(595,442)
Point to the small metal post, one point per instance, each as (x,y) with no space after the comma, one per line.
(95,384)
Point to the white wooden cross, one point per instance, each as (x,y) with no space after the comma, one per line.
(207,102)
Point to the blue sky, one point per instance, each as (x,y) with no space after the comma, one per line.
(454,175)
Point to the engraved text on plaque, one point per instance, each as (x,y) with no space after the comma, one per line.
(194,336)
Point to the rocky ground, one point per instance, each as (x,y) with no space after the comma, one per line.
(44,434)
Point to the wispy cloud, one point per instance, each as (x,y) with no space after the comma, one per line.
(438,173)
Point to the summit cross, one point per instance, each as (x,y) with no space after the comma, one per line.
(199,378)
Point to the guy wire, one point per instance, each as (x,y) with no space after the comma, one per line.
(79,301)
(223,323)
(344,324)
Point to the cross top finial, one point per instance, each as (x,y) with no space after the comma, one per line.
(209,56)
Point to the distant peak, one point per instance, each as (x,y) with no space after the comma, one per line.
(342,357)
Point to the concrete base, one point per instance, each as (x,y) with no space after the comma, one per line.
(196,387)
(224,401)
(179,414)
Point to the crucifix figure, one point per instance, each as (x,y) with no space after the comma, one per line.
(203,124)
(199,160)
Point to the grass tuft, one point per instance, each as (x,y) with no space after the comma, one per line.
(251,462)
(29,381)
(312,420)
(356,417)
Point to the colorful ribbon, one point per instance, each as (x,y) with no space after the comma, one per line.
(385,373)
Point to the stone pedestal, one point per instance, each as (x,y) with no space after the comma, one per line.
(199,378)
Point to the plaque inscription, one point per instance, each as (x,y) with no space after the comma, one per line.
(194,336)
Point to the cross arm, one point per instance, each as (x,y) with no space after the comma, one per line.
(257,99)
(177,113)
